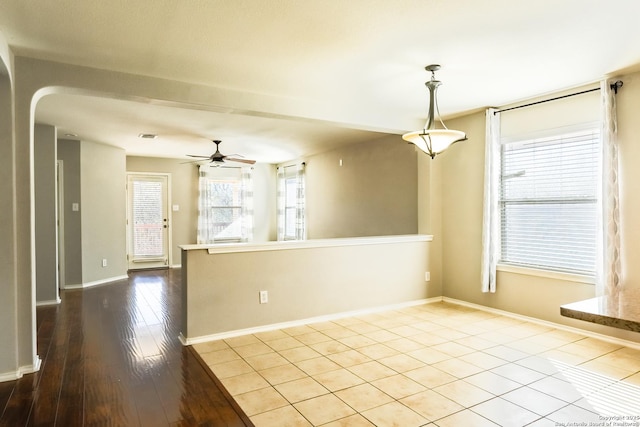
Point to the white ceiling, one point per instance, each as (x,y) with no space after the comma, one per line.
(364,58)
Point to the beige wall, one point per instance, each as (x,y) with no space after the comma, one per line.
(264,203)
(460,179)
(373,193)
(103,212)
(69,154)
(430,218)
(10,355)
(221,295)
(45,214)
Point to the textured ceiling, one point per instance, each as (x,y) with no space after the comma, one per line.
(365,58)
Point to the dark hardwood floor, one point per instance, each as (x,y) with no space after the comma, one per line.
(111,357)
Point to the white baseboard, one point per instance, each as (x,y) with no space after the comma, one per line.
(10,376)
(50,302)
(176,266)
(97,282)
(230,334)
(22,370)
(602,337)
(325,318)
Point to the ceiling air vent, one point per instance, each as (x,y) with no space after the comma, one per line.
(147,136)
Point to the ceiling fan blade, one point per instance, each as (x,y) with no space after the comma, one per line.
(201,157)
(249,162)
(192,162)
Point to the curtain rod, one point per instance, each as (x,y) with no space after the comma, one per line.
(293,164)
(614,86)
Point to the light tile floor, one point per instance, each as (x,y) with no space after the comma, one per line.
(437,364)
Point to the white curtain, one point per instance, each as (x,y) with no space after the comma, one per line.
(281,200)
(300,202)
(491,211)
(609,269)
(246,177)
(301,229)
(205,215)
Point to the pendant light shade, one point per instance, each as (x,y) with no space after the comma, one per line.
(434,140)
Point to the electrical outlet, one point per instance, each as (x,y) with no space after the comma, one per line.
(427,276)
(264,297)
(104,262)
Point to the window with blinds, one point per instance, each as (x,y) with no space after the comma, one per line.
(548,201)
(147,219)
(290,202)
(225,202)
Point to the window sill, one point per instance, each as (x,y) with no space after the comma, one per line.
(550,274)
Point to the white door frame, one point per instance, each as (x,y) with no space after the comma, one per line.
(60,226)
(134,265)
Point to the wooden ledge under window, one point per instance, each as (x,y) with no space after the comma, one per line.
(622,312)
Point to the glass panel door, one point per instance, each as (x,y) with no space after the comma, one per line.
(147,221)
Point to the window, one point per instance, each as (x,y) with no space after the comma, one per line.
(225,211)
(548,201)
(290,206)
(226,207)
(291,203)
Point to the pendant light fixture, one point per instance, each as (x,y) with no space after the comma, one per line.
(431,140)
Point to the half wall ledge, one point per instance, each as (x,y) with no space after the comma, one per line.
(303,279)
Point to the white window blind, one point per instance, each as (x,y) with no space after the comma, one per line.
(548,201)
(225,202)
(148,223)
(290,206)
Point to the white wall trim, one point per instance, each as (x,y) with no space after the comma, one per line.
(176,266)
(50,302)
(326,318)
(590,334)
(97,282)
(10,376)
(21,371)
(305,244)
(549,274)
(301,322)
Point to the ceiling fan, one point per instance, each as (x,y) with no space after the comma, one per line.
(219,159)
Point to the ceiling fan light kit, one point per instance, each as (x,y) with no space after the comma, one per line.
(434,140)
